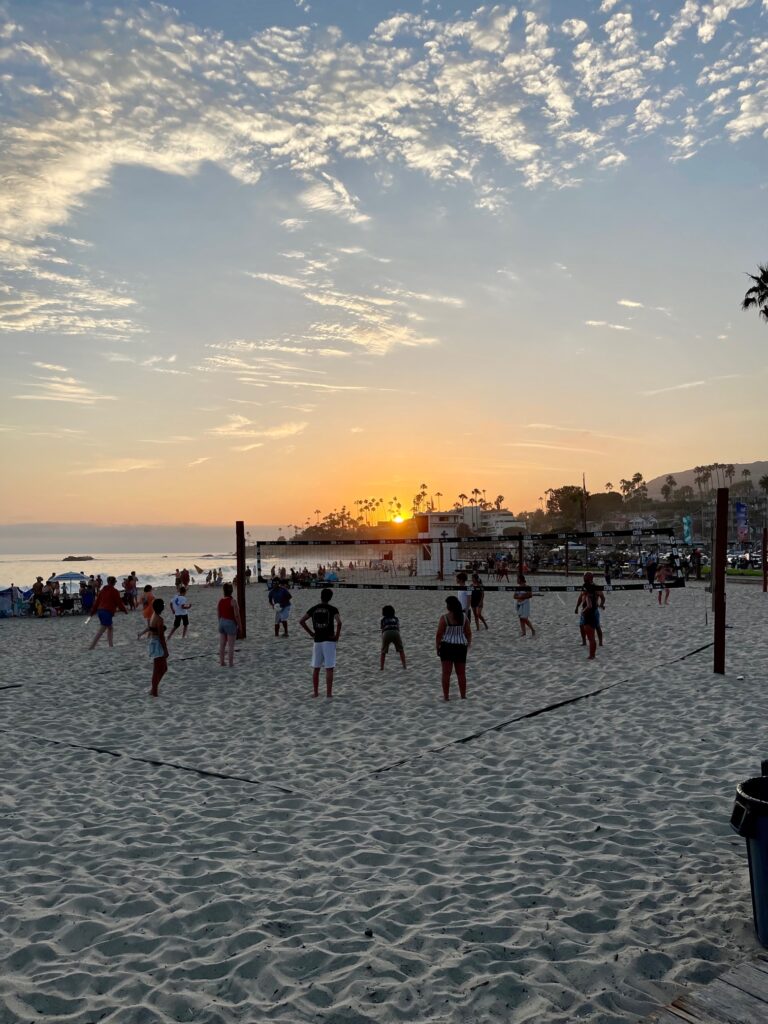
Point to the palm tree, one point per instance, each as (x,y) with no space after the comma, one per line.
(757,295)
(499,502)
(706,475)
(438,495)
(669,485)
(609,486)
(730,472)
(762,483)
(463,498)
(746,475)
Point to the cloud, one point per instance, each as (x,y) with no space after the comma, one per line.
(51,366)
(200,461)
(552,447)
(675,387)
(63,389)
(242,426)
(248,447)
(448,97)
(629,303)
(125,465)
(604,323)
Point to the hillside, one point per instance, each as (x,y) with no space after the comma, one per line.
(686,476)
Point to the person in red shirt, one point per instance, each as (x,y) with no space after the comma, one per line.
(229,625)
(108,602)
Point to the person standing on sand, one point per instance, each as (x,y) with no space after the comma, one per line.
(591,614)
(463,594)
(523,605)
(662,575)
(147,600)
(158,648)
(280,600)
(477,600)
(390,634)
(108,602)
(180,607)
(453,639)
(229,625)
(581,603)
(325,632)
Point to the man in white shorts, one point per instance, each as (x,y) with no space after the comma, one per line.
(280,599)
(325,631)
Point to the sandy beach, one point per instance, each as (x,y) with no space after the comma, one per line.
(238,852)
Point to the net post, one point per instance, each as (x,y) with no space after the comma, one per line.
(718,577)
(567,565)
(240,554)
(258,562)
(520,553)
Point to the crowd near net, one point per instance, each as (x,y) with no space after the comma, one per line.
(621,559)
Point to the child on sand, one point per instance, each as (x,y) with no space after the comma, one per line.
(180,607)
(390,634)
(229,624)
(158,648)
(477,600)
(146,601)
(523,604)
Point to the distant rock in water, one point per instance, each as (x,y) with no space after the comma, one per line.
(78,558)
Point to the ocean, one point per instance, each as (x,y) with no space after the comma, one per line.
(152,567)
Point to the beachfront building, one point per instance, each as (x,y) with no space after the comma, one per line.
(433,527)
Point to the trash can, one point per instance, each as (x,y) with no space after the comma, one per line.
(750,819)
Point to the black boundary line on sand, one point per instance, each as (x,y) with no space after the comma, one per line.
(499,727)
(204,772)
(521,718)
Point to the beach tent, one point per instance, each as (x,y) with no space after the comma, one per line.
(12,601)
(69,577)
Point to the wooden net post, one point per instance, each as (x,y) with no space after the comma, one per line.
(240,554)
(720,555)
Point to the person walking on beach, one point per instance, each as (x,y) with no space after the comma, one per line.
(280,600)
(581,604)
(453,639)
(591,597)
(477,600)
(158,647)
(108,602)
(523,605)
(229,625)
(180,607)
(325,632)
(662,575)
(463,594)
(390,634)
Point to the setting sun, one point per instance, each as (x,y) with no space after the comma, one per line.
(397,519)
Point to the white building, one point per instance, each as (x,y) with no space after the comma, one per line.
(433,527)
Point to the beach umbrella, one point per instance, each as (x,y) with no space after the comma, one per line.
(69,576)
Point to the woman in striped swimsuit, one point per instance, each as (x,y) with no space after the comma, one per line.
(454,635)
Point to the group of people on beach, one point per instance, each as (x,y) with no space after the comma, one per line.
(322,622)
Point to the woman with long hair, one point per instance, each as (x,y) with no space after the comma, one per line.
(229,625)
(453,638)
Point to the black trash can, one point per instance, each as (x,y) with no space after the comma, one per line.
(750,819)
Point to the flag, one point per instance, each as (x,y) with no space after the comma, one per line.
(687,530)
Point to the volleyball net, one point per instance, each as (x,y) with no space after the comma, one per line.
(619,560)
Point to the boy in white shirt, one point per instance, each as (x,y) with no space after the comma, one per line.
(180,607)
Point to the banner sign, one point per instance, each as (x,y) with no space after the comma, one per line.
(687,530)
(742,521)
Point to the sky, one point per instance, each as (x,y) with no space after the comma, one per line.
(260,259)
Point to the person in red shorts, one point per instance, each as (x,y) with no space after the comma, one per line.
(108,602)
